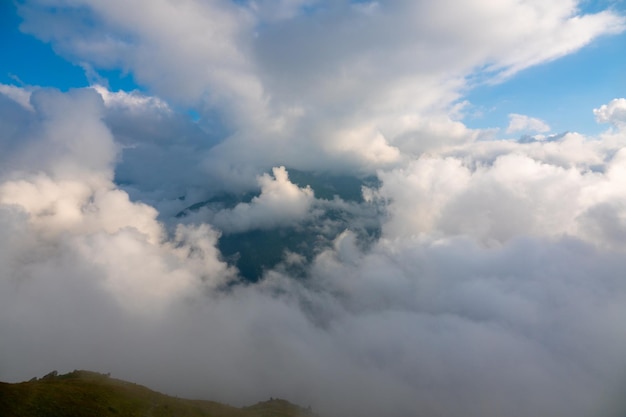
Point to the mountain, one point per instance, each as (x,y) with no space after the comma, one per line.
(90,394)
(339,205)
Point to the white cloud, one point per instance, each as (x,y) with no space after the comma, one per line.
(521,190)
(17,94)
(281,203)
(523,123)
(62,195)
(614,112)
(290,82)
(66,141)
(133,101)
(461,323)
(162,152)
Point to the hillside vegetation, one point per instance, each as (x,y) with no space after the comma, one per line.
(90,394)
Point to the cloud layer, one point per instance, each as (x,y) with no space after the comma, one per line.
(493,281)
(494,288)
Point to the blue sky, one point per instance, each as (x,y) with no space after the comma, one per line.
(28,60)
(562,92)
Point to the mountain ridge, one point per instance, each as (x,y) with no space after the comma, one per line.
(90,394)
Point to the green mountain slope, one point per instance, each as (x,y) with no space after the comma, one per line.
(89,394)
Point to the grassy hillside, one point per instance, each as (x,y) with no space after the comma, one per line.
(89,394)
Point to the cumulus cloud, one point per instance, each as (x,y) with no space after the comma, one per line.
(162,152)
(61,192)
(520,189)
(614,112)
(135,35)
(523,123)
(281,203)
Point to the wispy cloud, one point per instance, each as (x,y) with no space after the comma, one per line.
(523,123)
